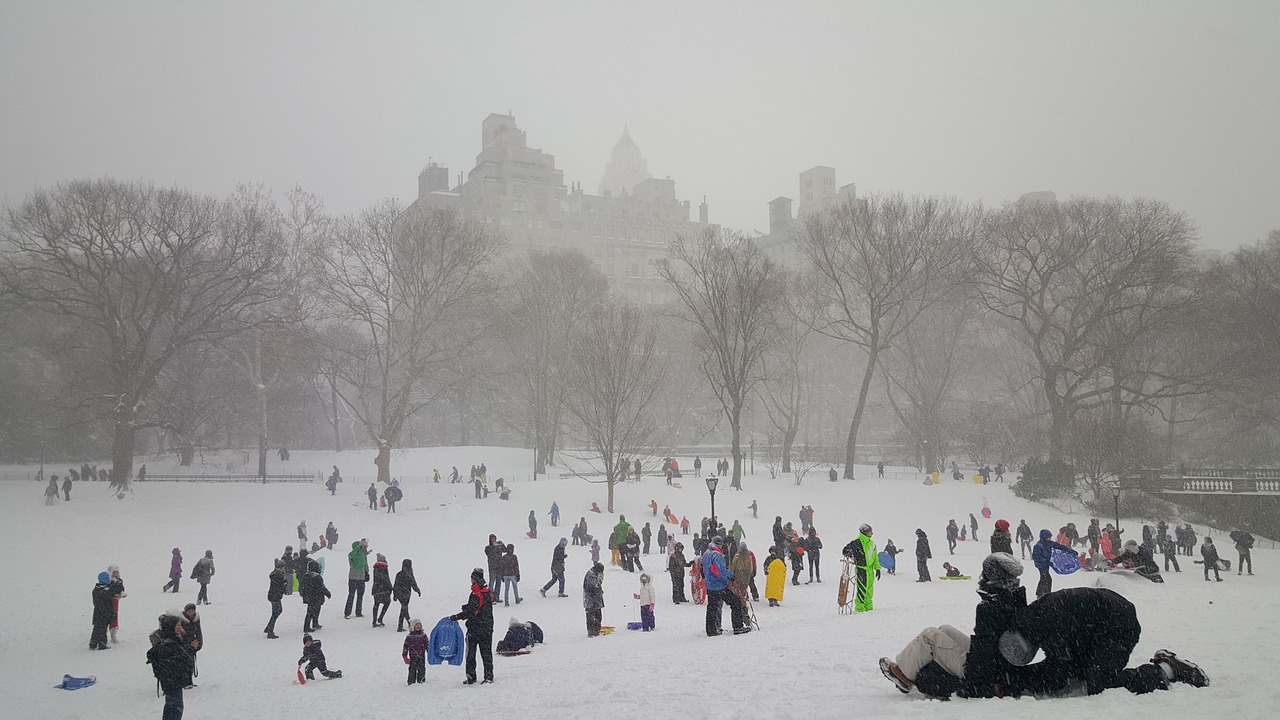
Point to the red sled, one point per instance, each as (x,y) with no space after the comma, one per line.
(672,519)
(699,590)
(302,679)
(530,535)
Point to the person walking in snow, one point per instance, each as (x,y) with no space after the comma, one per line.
(557,569)
(202,573)
(357,576)
(1024,538)
(275,593)
(51,491)
(555,514)
(509,569)
(1244,546)
(645,534)
(382,589)
(1041,555)
(923,556)
(66,487)
(314,593)
(593,598)
(737,531)
(1169,547)
(953,532)
(404,583)
(175,572)
(973,527)
(414,652)
(754,510)
(662,539)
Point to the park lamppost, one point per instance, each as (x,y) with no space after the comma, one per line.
(1115,496)
(712,480)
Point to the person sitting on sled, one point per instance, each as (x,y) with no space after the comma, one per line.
(952,570)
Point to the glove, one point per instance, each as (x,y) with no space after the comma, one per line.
(406,659)
(635,595)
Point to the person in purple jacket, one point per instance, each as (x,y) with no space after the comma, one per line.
(175,572)
(415,652)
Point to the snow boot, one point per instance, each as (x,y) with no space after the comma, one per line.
(891,671)
(1183,671)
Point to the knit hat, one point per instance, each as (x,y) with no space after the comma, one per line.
(1045,534)
(414,623)
(865,529)
(717,541)
(1002,524)
(381,558)
(168,622)
(104,577)
(306,639)
(513,621)
(1000,570)
(1016,648)
(920,533)
(477,576)
(564,541)
(279,563)
(1131,545)
(189,606)
(208,554)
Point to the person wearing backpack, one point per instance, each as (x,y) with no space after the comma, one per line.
(172,661)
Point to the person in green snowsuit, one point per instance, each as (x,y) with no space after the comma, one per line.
(866,561)
(738,532)
(618,538)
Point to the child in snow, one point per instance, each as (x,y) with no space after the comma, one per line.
(414,652)
(117,590)
(313,658)
(952,570)
(648,597)
(595,551)
(175,572)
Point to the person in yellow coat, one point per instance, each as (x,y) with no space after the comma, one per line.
(866,562)
(775,572)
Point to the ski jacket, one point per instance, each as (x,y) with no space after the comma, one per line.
(619,534)
(275,590)
(446,644)
(676,564)
(415,645)
(203,571)
(172,660)
(1024,533)
(478,612)
(175,566)
(382,586)
(715,570)
(984,666)
(863,553)
(405,582)
(1209,552)
(593,590)
(1001,542)
(922,547)
(648,596)
(1043,550)
(509,566)
(743,568)
(103,604)
(493,552)
(557,558)
(313,655)
(313,589)
(358,562)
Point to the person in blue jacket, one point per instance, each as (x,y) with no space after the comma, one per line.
(1040,556)
(717,575)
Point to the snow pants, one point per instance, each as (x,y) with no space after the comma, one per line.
(944,645)
(865,591)
(98,638)
(646,617)
(312,619)
(484,643)
(716,598)
(677,589)
(355,594)
(172,705)
(1045,586)
(593,622)
(417,669)
(922,567)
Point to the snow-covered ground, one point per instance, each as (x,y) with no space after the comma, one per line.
(807,662)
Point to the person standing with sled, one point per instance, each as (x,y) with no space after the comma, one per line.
(866,561)
(593,598)
(717,575)
(923,556)
(1041,555)
(478,614)
(414,652)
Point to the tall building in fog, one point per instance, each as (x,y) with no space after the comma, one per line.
(818,192)
(518,191)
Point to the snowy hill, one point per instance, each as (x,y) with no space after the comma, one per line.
(806,662)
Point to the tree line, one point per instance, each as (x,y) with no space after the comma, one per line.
(1087,331)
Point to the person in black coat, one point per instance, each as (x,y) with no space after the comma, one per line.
(382,589)
(1209,552)
(405,582)
(313,658)
(676,565)
(173,661)
(478,614)
(275,591)
(493,552)
(290,560)
(1087,635)
(813,548)
(923,556)
(557,569)
(104,611)
(313,593)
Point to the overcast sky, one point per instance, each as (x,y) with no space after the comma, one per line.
(984,100)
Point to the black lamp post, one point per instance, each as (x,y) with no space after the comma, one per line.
(712,481)
(1115,496)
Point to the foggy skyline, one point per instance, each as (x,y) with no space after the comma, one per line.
(985,101)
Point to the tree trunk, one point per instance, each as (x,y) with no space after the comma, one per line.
(735,425)
(383,461)
(122,449)
(788,439)
(610,476)
(186,454)
(1171,433)
(337,420)
(851,446)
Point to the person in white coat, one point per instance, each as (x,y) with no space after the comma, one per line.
(648,597)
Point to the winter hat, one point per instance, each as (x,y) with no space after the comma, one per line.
(189,606)
(865,529)
(288,548)
(1045,534)
(598,567)
(306,639)
(1000,570)
(279,563)
(208,554)
(513,622)
(1002,524)
(113,569)
(382,558)
(644,578)
(717,541)
(920,533)
(176,551)
(168,623)
(1208,540)
(477,576)
(1131,545)
(303,552)
(104,578)
(414,623)
(1016,648)
(564,541)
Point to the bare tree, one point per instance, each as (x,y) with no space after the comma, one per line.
(548,300)
(730,292)
(1081,284)
(409,285)
(146,273)
(787,368)
(616,375)
(880,262)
